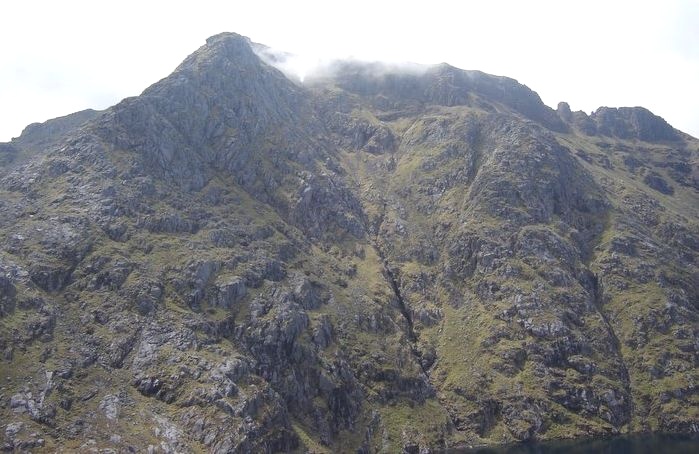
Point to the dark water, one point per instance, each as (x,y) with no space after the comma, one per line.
(640,444)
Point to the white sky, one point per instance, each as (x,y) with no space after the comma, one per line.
(57,57)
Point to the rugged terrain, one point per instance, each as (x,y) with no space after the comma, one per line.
(376,259)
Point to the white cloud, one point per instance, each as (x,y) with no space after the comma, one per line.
(59,57)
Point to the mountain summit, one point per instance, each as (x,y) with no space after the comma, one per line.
(376,259)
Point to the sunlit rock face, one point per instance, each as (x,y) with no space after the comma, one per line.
(380,258)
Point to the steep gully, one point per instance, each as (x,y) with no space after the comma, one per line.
(598,302)
(393,281)
(596,292)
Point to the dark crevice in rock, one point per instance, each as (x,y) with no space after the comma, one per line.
(402,305)
(391,278)
(598,300)
(405,312)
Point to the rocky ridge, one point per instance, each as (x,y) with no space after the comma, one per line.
(373,260)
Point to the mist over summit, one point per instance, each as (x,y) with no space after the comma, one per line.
(367,257)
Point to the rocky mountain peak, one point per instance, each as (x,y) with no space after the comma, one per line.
(563,110)
(218,52)
(221,100)
(441,84)
(230,41)
(633,122)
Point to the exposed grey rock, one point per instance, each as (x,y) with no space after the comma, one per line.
(323,333)
(230,293)
(657,182)
(7,296)
(564,112)
(633,122)
(110,405)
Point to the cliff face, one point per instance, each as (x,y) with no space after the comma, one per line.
(373,260)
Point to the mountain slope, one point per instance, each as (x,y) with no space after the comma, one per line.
(373,260)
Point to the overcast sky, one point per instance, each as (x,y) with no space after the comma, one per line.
(57,57)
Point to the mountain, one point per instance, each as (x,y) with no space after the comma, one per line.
(376,259)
